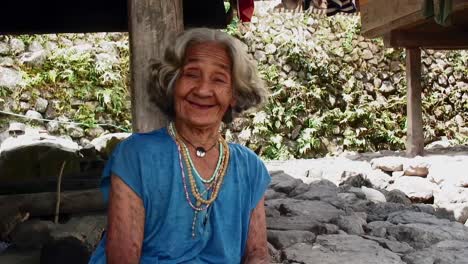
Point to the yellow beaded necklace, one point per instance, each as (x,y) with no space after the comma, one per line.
(217,182)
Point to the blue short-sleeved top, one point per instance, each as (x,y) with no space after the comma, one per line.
(149,164)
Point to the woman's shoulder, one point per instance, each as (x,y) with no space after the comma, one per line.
(243,152)
(145,140)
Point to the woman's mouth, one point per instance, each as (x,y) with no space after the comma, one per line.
(201,106)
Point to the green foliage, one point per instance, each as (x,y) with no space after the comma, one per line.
(68,73)
(324,107)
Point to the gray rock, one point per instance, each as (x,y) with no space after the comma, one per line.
(380,211)
(271,194)
(377,228)
(34,59)
(348,198)
(315,210)
(367,54)
(270,49)
(35,46)
(416,189)
(397,196)
(394,246)
(416,167)
(357,180)
(23,106)
(7,62)
(349,249)
(41,105)
(95,132)
(51,111)
(378,179)
(25,96)
(445,252)
(4,48)
(320,192)
(373,195)
(387,87)
(389,164)
(75,131)
(16,128)
(51,46)
(286,186)
(36,156)
(295,223)
(31,234)
(53,127)
(351,224)
(106,143)
(10,78)
(420,236)
(260,56)
(17,46)
(283,239)
(408,217)
(35,116)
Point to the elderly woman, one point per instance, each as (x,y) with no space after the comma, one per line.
(182,194)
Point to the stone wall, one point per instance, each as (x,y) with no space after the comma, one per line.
(320,66)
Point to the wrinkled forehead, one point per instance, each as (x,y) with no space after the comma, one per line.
(213,52)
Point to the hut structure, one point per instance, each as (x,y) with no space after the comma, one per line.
(415,25)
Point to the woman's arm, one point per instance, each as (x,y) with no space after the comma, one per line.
(125,224)
(257,249)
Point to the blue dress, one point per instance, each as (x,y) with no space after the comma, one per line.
(149,164)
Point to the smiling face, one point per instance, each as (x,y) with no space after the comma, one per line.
(203,92)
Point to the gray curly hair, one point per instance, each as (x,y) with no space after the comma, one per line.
(248,88)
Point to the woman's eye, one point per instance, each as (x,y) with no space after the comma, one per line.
(191,74)
(220,80)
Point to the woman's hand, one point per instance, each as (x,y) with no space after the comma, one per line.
(126,220)
(257,249)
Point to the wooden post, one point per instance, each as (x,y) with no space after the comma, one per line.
(150,23)
(415,136)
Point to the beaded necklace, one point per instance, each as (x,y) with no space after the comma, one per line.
(215,171)
(216,181)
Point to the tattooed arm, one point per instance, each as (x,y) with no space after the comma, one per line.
(126,219)
(256,249)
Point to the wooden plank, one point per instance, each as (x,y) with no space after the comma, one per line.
(379,17)
(52,16)
(150,23)
(415,136)
(43,204)
(449,39)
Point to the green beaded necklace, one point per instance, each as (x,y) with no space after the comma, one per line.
(220,159)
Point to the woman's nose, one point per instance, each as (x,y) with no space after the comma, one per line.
(204,88)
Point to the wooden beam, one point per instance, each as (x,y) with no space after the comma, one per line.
(43,204)
(414,134)
(150,23)
(448,39)
(380,17)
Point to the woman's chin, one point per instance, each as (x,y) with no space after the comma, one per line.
(203,122)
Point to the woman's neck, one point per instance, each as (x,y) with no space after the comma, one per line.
(202,136)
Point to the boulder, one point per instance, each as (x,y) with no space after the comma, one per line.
(41,105)
(373,195)
(349,249)
(388,164)
(34,155)
(106,143)
(31,234)
(10,78)
(283,239)
(444,252)
(351,224)
(417,189)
